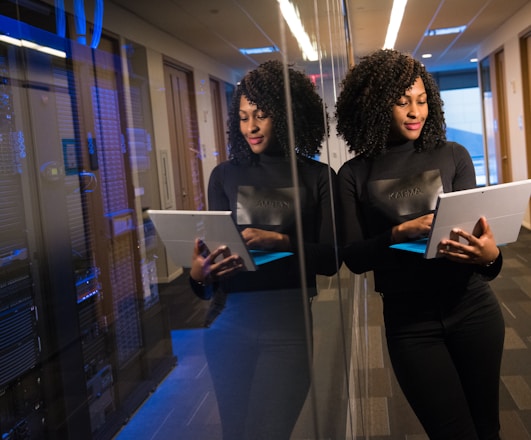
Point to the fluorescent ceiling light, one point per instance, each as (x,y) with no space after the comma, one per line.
(48,50)
(258,50)
(426,55)
(10,40)
(293,20)
(397,13)
(32,45)
(445,31)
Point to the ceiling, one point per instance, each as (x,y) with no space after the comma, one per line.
(219,28)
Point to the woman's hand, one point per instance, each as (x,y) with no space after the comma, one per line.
(205,269)
(412,229)
(480,247)
(265,240)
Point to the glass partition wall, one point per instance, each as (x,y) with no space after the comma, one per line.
(97,128)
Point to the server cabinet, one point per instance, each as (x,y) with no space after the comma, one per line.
(77,335)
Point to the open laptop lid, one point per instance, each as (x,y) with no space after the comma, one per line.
(503,205)
(178,230)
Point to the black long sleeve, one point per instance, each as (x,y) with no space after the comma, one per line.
(402,184)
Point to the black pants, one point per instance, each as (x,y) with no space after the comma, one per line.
(446,354)
(258,360)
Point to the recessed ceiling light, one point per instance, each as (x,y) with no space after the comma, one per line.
(473,60)
(258,50)
(445,31)
(426,55)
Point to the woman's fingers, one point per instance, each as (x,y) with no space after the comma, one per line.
(228,263)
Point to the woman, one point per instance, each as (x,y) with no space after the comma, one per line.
(443,324)
(257,348)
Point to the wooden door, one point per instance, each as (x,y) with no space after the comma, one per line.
(525,53)
(184,139)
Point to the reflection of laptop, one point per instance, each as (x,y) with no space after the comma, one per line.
(179,229)
(503,205)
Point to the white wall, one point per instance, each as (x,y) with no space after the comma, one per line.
(160,45)
(507,38)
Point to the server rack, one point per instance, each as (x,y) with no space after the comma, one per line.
(81,343)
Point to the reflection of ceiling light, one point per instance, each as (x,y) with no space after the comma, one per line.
(445,31)
(397,13)
(426,55)
(32,45)
(259,50)
(293,20)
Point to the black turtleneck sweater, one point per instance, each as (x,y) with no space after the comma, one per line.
(401,184)
(261,195)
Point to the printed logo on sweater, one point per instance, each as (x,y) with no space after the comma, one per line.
(265,206)
(407,196)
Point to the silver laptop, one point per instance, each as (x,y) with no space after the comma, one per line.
(503,205)
(178,230)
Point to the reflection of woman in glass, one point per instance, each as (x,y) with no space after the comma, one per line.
(257,348)
(443,324)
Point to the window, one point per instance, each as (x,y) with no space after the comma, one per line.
(462,108)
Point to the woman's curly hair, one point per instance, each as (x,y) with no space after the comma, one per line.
(369,92)
(264,87)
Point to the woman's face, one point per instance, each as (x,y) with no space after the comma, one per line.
(410,113)
(256,127)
